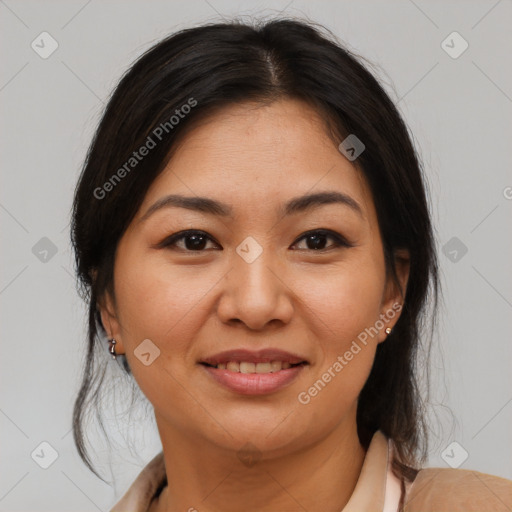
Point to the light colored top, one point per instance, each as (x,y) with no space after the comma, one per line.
(376,490)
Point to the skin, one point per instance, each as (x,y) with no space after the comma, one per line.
(191,304)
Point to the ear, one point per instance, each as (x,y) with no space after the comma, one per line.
(394,295)
(109,319)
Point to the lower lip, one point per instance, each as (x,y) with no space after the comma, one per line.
(254,383)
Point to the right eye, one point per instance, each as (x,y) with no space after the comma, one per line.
(193,241)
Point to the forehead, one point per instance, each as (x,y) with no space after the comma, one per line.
(249,155)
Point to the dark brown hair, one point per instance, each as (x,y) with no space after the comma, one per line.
(218,64)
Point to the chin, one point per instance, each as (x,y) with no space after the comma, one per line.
(265,430)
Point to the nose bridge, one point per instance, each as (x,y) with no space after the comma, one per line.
(253,264)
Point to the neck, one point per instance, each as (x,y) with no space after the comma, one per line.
(203,477)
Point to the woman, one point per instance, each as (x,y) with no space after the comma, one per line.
(252,232)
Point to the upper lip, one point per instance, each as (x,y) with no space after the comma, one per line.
(253,356)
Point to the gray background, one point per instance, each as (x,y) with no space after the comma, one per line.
(458,109)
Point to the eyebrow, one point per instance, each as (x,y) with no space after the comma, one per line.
(213,207)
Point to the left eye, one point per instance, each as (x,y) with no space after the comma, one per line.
(317,239)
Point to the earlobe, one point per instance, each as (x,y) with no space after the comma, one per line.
(110,323)
(395,292)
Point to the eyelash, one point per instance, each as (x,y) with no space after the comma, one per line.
(339,241)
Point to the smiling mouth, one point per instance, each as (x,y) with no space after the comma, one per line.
(254,377)
(247,367)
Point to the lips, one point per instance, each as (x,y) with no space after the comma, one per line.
(249,372)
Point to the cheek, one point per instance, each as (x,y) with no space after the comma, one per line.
(166,305)
(344,306)
(344,303)
(160,301)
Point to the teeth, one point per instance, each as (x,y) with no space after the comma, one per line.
(246,367)
(263,368)
(233,366)
(276,366)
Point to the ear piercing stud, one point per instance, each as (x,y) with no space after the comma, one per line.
(112,347)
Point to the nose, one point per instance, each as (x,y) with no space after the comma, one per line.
(256,294)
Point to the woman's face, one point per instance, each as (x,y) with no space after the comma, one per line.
(278,270)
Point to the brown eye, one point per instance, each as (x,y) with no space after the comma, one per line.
(193,241)
(317,240)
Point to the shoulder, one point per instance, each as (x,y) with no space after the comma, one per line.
(142,495)
(453,490)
